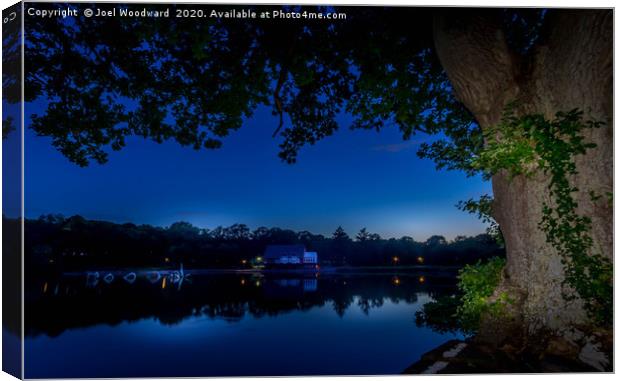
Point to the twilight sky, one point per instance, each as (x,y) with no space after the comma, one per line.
(355,179)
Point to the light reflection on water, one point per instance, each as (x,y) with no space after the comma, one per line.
(231,325)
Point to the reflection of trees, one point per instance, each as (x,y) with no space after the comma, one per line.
(440,314)
(54,305)
(229,311)
(341,304)
(11,275)
(366,304)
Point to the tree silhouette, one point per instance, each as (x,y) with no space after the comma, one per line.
(363,235)
(76,243)
(340,234)
(105,79)
(183,228)
(436,240)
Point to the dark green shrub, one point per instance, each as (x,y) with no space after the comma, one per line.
(477,283)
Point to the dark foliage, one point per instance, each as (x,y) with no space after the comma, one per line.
(194,81)
(440,314)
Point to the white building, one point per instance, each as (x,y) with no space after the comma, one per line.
(290,255)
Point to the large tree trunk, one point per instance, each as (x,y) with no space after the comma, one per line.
(571,68)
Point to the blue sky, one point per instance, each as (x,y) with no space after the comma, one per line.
(355,179)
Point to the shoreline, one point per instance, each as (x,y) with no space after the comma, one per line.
(470,356)
(450,270)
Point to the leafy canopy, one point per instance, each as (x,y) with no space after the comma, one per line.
(194,81)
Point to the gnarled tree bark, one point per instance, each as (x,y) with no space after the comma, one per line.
(570,68)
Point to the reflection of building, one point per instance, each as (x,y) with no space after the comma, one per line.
(310,285)
(289,288)
(290,255)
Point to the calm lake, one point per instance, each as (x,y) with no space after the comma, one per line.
(230,324)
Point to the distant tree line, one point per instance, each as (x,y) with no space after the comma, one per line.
(74,242)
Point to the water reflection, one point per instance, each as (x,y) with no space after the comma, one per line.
(82,300)
(228,324)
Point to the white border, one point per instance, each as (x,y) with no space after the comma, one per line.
(478,3)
